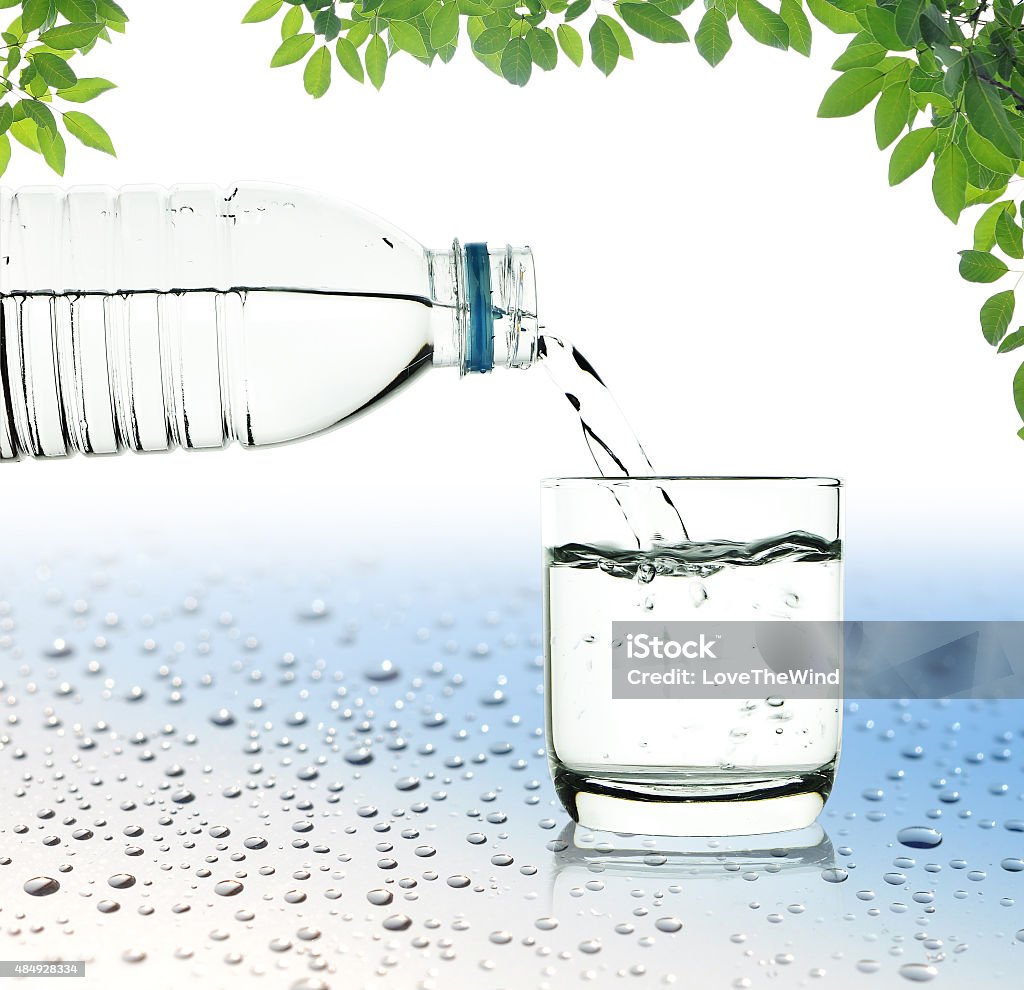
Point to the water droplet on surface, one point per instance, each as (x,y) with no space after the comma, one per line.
(919,837)
(669,925)
(397,922)
(385,670)
(380,897)
(41,886)
(121,881)
(228,888)
(834,874)
(918,972)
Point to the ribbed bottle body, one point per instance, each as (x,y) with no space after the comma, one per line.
(145,318)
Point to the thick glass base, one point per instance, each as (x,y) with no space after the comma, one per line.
(695,801)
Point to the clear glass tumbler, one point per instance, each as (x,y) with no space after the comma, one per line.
(756,550)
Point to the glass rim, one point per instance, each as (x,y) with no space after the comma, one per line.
(809,480)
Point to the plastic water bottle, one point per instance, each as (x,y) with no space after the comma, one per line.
(147,319)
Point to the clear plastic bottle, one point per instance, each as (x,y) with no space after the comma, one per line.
(146,319)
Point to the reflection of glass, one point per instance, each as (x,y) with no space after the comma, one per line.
(578,848)
(758,549)
(732,905)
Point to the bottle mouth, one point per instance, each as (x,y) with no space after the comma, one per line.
(501,297)
(486,307)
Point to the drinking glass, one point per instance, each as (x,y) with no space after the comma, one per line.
(676,760)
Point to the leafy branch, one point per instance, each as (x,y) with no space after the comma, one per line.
(36,76)
(946,78)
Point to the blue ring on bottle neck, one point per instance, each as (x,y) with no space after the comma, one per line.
(480,340)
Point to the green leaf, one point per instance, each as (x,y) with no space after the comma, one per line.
(619,33)
(762,24)
(834,18)
(996,314)
(911,153)
(571,43)
(26,132)
(5,153)
(292,23)
(444,28)
(712,39)
(86,89)
(1010,343)
(376,61)
(1018,394)
(68,37)
(949,183)
(406,37)
(517,62)
(110,11)
(987,154)
(316,77)
(862,51)
(576,9)
(985,228)
(981,266)
(650,22)
(891,113)
(359,32)
(262,10)
(882,24)
(491,41)
(851,92)
(75,11)
(83,127)
(348,56)
(988,117)
(906,18)
(543,49)
(6,117)
(327,24)
(40,113)
(1009,236)
(604,49)
(293,49)
(34,14)
(54,70)
(53,150)
(792,13)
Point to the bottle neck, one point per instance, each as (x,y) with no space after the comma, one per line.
(485,304)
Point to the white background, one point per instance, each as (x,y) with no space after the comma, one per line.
(756,296)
